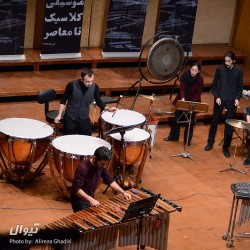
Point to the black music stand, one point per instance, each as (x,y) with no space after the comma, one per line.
(188,109)
(140,209)
(122,130)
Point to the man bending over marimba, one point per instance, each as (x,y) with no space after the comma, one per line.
(86,179)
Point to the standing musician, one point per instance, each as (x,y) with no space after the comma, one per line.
(191,85)
(86,179)
(227,88)
(79,94)
(247,113)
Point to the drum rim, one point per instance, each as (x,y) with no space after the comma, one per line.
(107,144)
(30,140)
(49,135)
(78,157)
(137,129)
(127,110)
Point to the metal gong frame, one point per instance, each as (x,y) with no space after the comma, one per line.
(165,59)
(153,62)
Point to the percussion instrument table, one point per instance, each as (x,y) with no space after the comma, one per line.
(241,191)
(102,227)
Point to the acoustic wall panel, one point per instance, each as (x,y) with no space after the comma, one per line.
(125,27)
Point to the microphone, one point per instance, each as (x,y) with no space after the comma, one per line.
(119,100)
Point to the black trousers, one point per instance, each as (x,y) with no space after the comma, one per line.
(180,119)
(228,130)
(77,126)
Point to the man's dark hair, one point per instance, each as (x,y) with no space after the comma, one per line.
(87,71)
(102,153)
(231,55)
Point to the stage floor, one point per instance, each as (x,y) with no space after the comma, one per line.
(198,186)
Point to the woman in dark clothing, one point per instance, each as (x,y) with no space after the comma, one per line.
(191,85)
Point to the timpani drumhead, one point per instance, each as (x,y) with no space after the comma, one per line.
(134,135)
(123,117)
(24,128)
(82,145)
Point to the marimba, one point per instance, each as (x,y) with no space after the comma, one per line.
(102,227)
(241,191)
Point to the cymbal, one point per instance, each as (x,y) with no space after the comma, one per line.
(238,123)
(150,97)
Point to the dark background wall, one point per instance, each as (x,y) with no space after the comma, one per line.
(224,21)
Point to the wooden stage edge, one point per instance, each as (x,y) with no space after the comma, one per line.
(112,81)
(92,57)
(161,110)
(112,76)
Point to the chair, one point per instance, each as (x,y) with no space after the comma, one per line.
(44,97)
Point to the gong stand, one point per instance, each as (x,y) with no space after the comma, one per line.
(165,61)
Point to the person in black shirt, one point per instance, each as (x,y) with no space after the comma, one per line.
(227,87)
(78,95)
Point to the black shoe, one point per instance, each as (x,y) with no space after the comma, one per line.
(226,152)
(169,138)
(208,147)
(247,161)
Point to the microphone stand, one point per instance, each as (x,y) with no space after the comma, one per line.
(137,92)
(136,95)
(118,100)
(117,176)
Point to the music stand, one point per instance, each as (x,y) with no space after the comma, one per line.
(139,209)
(188,108)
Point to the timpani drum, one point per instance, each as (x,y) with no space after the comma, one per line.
(133,151)
(122,117)
(67,151)
(22,142)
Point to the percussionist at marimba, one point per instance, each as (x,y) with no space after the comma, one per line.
(86,180)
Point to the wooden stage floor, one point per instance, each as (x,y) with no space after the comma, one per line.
(198,186)
(110,80)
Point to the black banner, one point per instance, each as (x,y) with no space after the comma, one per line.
(178,18)
(12,26)
(125,26)
(62,27)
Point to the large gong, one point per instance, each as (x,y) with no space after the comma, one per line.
(165,59)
